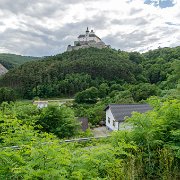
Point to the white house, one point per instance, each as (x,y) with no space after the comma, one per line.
(115,113)
(41,104)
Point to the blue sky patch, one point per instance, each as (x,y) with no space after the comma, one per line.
(160,3)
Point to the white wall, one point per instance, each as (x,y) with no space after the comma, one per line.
(110,125)
(82,39)
(42,105)
(89,39)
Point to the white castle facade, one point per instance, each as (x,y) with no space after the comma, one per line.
(89,39)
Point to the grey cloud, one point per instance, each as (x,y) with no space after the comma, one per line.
(130,21)
(32,37)
(172,24)
(132,41)
(124,41)
(14,7)
(77,1)
(29,43)
(135,11)
(2,24)
(39,40)
(34,8)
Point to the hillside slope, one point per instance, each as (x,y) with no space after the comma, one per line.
(71,72)
(12,60)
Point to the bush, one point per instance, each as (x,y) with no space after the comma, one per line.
(59,120)
(143,91)
(87,96)
(7,94)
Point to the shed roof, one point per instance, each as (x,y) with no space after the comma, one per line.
(120,111)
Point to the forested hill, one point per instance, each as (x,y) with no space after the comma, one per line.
(71,72)
(12,60)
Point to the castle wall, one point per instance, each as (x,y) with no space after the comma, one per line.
(95,45)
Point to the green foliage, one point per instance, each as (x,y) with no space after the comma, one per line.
(59,121)
(121,97)
(72,72)
(68,73)
(143,91)
(7,94)
(150,150)
(156,138)
(103,90)
(174,78)
(116,87)
(87,96)
(96,113)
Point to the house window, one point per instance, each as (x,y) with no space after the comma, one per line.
(114,123)
(109,120)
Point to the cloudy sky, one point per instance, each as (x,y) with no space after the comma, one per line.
(46,27)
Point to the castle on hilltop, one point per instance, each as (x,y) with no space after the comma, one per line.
(89,39)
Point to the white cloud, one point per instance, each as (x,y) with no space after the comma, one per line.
(45,27)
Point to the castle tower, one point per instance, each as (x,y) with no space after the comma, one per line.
(87,34)
(92,32)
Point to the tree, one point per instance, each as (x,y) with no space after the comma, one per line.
(103,90)
(87,96)
(7,94)
(59,120)
(143,91)
(121,97)
(117,87)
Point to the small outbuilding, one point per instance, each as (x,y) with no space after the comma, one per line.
(84,123)
(115,113)
(41,104)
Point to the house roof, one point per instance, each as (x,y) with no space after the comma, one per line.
(120,111)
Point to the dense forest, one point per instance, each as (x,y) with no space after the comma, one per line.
(10,61)
(71,72)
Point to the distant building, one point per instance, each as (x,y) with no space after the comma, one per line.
(89,39)
(41,104)
(115,113)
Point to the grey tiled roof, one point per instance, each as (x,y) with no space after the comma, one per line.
(80,36)
(120,111)
(90,35)
(93,35)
